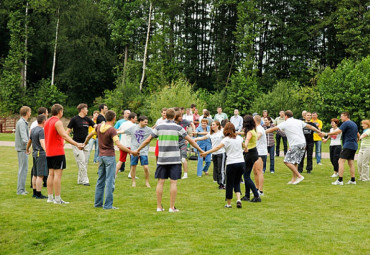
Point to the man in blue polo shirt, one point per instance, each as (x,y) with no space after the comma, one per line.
(349,131)
(169,157)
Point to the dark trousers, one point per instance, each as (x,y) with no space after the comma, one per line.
(309,151)
(233,173)
(334,156)
(278,144)
(271,151)
(250,157)
(219,168)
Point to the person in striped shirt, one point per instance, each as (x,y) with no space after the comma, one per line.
(169,157)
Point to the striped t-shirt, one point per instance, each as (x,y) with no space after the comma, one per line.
(168,134)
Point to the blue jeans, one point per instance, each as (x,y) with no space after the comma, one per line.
(93,144)
(106,178)
(270,150)
(200,168)
(318,151)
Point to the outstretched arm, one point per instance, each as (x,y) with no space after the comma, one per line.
(212,150)
(271,130)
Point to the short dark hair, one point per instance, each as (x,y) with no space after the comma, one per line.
(81,106)
(206,113)
(193,105)
(24,110)
(101,107)
(142,118)
(177,115)
(170,113)
(164,109)
(248,123)
(346,114)
(176,109)
(110,115)
(41,110)
(55,109)
(41,118)
(288,113)
(224,122)
(132,116)
(335,120)
(229,130)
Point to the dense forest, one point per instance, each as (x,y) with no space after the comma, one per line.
(250,55)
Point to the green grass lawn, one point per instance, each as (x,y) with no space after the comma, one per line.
(313,217)
(7,137)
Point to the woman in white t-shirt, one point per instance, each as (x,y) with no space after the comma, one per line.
(216,135)
(235,165)
(335,146)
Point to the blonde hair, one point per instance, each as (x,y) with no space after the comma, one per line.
(366,122)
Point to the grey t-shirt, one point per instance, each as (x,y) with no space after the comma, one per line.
(37,133)
(138,135)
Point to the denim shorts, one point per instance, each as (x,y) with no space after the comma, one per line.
(143,160)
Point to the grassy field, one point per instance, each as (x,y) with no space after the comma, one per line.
(313,217)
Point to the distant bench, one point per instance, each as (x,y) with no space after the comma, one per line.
(7,125)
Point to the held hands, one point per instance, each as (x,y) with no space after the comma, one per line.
(203,154)
(135,153)
(80,146)
(28,152)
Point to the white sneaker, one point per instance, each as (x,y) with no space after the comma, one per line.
(298,180)
(319,164)
(261,194)
(184,177)
(60,202)
(173,210)
(160,209)
(335,175)
(290,182)
(129,176)
(337,182)
(351,182)
(50,201)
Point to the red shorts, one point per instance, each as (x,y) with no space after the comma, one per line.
(156,149)
(123,155)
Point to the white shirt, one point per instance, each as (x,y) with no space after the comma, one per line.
(216,139)
(262,142)
(126,139)
(237,121)
(160,121)
(335,139)
(293,129)
(188,117)
(33,125)
(234,150)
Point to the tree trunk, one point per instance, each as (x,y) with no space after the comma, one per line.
(24,73)
(146,46)
(55,51)
(125,66)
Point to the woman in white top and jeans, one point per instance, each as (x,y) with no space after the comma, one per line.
(235,165)
(218,157)
(335,146)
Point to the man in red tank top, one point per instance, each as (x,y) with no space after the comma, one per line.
(55,156)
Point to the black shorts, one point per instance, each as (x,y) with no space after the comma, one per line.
(171,171)
(347,154)
(39,165)
(56,162)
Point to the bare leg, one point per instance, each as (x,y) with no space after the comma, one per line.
(341,166)
(39,181)
(146,171)
(57,181)
(185,165)
(228,201)
(237,195)
(294,170)
(34,182)
(258,177)
(50,181)
(173,193)
(351,165)
(118,167)
(133,175)
(159,191)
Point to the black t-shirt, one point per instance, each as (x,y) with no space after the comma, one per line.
(80,127)
(37,133)
(308,133)
(100,119)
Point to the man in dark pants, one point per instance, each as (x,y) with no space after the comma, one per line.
(280,134)
(308,134)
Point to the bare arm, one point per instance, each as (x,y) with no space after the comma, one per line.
(125,149)
(89,137)
(201,138)
(193,143)
(336,132)
(249,136)
(212,150)
(145,143)
(28,146)
(362,136)
(68,131)
(60,129)
(42,142)
(313,128)
(271,130)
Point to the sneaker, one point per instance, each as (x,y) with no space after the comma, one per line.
(60,202)
(238,204)
(160,209)
(260,193)
(23,193)
(272,172)
(351,182)
(113,208)
(337,182)
(245,198)
(290,182)
(298,180)
(255,200)
(173,210)
(86,184)
(184,177)
(50,200)
(34,196)
(319,164)
(129,176)
(41,197)
(228,206)
(334,175)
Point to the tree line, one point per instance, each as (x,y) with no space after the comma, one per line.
(232,53)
